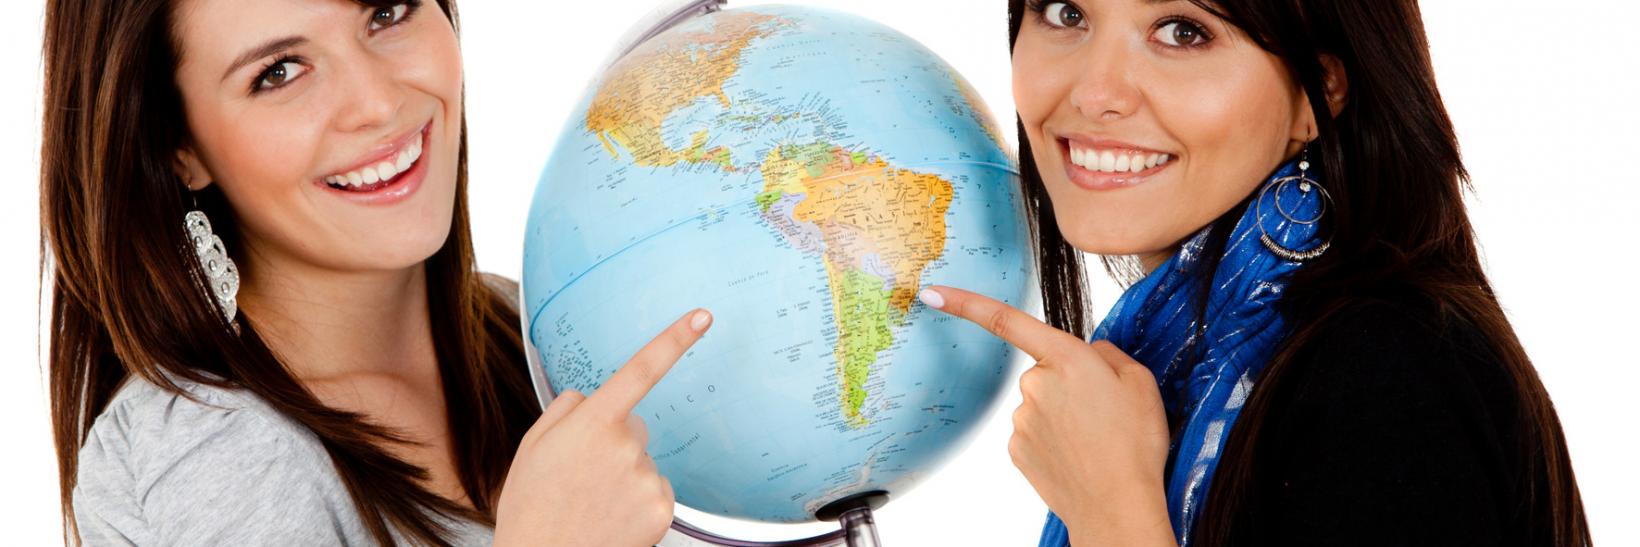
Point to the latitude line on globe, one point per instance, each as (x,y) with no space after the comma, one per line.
(536,314)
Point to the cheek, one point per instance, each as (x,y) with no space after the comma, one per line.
(1232,121)
(433,64)
(1218,108)
(266,182)
(263,159)
(1039,84)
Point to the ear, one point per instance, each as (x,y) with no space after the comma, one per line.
(191,170)
(1337,87)
(1337,84)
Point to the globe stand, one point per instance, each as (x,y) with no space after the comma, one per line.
(853,514)
(661,19)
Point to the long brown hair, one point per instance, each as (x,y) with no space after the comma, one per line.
(127,300)
(1391,163)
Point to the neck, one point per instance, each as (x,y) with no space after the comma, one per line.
(324,324)
(1151,261)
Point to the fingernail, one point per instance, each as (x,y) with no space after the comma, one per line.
(931,298)
(701,319)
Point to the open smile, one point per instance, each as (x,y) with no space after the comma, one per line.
(1108,165)
(388,176)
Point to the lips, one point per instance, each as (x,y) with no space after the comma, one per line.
(1103,164)
(382,168)
(388,174)
(371,177)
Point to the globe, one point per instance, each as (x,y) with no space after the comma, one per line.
(802,173)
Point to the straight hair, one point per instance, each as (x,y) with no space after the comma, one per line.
(1391,163)
(128,300)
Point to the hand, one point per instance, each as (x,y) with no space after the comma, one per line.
(1091,435)
(581,476)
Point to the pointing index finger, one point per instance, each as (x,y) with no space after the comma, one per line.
(1034,337)
(627,386)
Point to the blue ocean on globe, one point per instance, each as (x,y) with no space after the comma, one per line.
(802,173)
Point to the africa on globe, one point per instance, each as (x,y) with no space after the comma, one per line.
(802,173)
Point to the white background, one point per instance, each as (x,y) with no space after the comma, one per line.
(1543,95)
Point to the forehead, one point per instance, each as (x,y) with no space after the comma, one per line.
(212,33)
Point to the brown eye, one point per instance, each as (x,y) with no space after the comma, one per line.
(389,16)
(279,74)
(276,76)
(1181,34)
(1061,14)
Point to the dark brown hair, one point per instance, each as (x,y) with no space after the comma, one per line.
(1391,162)
(126,299)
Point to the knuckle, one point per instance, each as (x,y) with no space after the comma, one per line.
(1016,450)
(679,338)
(1022,420)
(615,433)
(666,490)
(1139,374)
(997,321)
(643,371)
(1030,383)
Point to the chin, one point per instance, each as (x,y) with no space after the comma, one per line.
(1107,246)
(1102,234)
(403,250)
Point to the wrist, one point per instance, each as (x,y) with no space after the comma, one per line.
(1130,514)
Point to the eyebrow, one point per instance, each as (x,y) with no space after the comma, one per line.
(264,50)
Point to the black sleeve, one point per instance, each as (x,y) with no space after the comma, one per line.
(1383,437)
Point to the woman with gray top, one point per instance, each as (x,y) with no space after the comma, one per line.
(266,322)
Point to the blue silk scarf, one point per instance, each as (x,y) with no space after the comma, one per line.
(1205,371)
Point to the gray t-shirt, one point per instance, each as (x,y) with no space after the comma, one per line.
(160,469)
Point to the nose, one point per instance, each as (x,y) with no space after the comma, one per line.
(372,95)
(1104,89)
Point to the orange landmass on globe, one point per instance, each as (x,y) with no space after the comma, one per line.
(880,225)
(668,73)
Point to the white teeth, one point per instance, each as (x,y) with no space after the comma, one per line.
(386,170)
(383,171)
(1116,161)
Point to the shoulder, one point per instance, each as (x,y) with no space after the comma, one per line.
(1391,424)
(1385,362)
(1396,342)
(207,464)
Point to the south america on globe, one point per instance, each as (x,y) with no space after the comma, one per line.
(802,173)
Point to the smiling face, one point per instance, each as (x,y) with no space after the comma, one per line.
(331,127)
(1149,119)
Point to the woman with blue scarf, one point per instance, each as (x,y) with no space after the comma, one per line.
(1308,350)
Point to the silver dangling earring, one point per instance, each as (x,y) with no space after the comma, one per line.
(222,276)
(1305,184)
